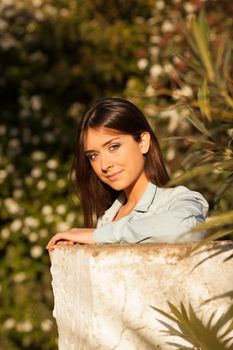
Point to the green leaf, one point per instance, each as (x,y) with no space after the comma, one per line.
(201,336)
(200,171)
(201,40)
(203,100)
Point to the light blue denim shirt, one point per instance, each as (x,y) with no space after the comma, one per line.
(161,215)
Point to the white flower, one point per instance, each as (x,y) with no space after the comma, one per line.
(2,130)
(7,41)
(75,109)
(230,132)
(24,326)
(160,5)
(36,172)
(28,180)
(5,233)
(64,12)
(25,230)
(177,60)
(142,63)
(19,277)
(70,217)
(155,39)
(156,70)
(3,175)
(10,168)
(33,237)
(37,3)
(171,152)
(43,233)
(16,225)
(185,91)
(51,175)
(39,15)
(174,119)
(36,251)
(189,7)
(150,91)
(35,102)
(49,219)
(154,51)
(168,68)
(38,155)
(139,19)
(61,183)
(8,2)
(52,163)
(14,143)
(11,205)
(41,185)
(9,324)
(49,137)
(46,325)
(63,226)
(18,193)
(47,209)
(61,209)
(50,10)
(150,110)
(3,24)
(167,26)
(31,222)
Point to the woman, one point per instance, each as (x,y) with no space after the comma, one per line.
(120,175)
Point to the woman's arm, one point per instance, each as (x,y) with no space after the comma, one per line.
(75,235)
(184,209)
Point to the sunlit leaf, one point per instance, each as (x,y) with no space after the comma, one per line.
(201,336)
(202,44)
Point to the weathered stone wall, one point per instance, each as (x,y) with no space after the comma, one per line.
(103,293)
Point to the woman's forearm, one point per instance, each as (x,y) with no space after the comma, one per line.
(75,235)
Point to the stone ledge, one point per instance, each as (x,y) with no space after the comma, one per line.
(103,293)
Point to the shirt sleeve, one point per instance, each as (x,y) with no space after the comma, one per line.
(171,225)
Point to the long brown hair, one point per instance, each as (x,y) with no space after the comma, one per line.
(123,116)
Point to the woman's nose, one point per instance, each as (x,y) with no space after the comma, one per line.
(106,163)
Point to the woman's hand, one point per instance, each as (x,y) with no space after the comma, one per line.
(75,235)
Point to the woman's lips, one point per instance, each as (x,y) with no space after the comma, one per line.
(114,176)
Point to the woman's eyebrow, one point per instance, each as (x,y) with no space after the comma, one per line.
(104,145)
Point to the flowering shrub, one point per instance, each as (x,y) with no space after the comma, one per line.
(55,57)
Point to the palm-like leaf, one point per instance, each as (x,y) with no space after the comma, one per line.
(209,336)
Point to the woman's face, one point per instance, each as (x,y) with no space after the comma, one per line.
(117,159)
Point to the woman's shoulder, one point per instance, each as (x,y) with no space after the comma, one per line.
(177,190)
(180,193)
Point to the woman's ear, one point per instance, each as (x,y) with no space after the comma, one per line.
(145,142)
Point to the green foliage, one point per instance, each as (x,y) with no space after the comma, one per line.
(213,334)
(55,58)
(211,112)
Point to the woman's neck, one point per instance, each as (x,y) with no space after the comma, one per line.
(135,191)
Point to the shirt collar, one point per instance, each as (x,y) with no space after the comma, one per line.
(147,198)
(111,212)
(142,206)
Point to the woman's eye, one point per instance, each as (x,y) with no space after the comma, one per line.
(114,146)
(92,156)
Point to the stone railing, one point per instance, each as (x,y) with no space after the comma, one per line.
(103,293)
